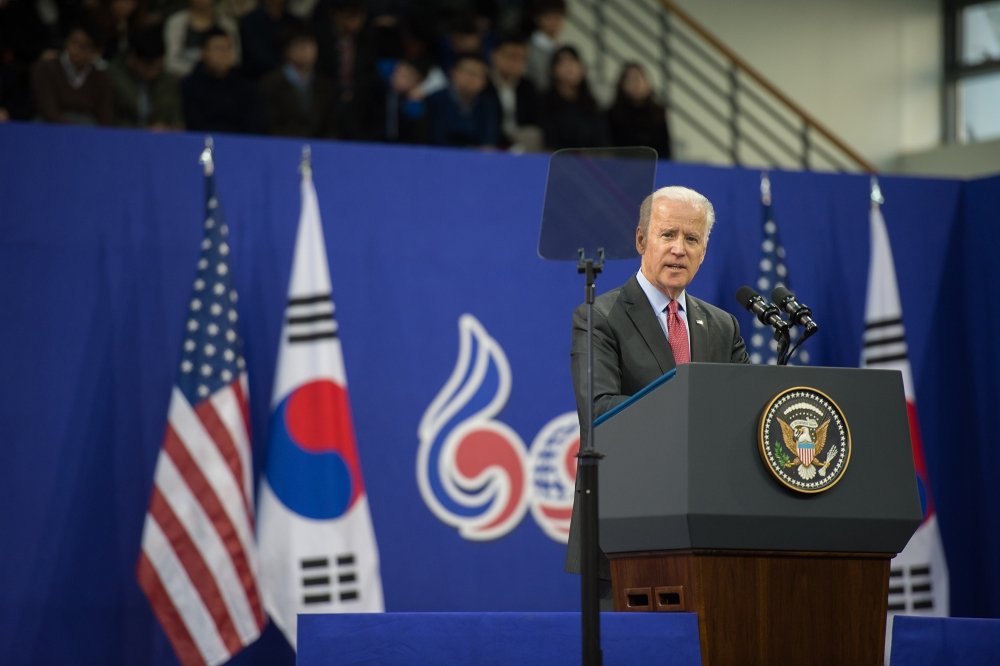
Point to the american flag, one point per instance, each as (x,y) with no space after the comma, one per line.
(198,565)
(771,272)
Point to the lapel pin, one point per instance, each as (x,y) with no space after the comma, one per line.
(699,322)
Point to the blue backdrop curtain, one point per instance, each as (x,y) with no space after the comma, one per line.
(99,235)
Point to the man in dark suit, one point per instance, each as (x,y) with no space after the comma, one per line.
(650,324)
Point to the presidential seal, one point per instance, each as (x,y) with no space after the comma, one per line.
(804,440)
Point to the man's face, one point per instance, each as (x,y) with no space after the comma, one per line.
(218,55)
(510,61)
(80,49)
(405,78)
(468,76)
(551,23)
(301,54)
(674,246)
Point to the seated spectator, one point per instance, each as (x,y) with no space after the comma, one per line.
(346,57)
(403,118)
(298,101)
(144,94)
(549,18)
(70,88)
(185,32)
(216,97)
(261,33)
(516,96)
(636,118)
(570,115)
(462,114)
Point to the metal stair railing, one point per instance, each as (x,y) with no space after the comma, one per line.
(715,100)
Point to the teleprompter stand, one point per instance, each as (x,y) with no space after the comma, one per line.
(592,201)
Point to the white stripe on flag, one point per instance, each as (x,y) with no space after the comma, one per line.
(182,593)
(231,414)
(202,532)
(205,453)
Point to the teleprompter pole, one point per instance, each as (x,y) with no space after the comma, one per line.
(587,465)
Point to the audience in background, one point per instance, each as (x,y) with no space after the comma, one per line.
(361,70)
(297,100)
(261,37)
(516,96)
(23,37)
(403,116)
(636,118)
(118,19)
(70,88)
(186,30)
(346,57)
(144,94)
(571,116)
(461,34)
(462,114)
(217,98)
(549,18)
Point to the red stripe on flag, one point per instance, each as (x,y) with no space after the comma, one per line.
(241,399)
(209,501)
(163,607)
(201,576)
(918,455)
(219,434)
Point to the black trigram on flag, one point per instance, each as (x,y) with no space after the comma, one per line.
(326,582)
(310,318)
(911,589)
(884,342)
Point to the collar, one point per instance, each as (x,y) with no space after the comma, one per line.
(657,298)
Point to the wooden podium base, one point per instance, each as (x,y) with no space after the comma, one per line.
(765,607)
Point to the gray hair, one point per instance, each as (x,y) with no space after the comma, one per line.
(681,195)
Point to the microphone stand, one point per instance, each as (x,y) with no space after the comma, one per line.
(587,464)
(781,335)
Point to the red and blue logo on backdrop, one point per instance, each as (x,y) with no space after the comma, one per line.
(312,462)
(474,472)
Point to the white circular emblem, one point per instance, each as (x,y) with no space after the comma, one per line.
(804,440)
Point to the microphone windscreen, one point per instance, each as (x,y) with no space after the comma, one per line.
(744,295)
(779,294)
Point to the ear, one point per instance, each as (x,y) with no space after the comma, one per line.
(640,240)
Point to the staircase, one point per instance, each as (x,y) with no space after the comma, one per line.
(720,109)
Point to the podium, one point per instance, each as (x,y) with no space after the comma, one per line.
(692,519)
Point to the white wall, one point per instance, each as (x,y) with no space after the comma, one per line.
(870,70)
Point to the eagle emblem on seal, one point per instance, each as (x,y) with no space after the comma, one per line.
(804,440)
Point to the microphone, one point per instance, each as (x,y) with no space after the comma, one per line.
(799,313)
(767,313)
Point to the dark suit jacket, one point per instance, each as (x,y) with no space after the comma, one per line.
(630,351)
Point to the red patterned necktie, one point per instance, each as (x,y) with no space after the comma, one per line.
(677,335)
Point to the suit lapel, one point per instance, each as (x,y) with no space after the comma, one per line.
(641,314)
(699,329)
